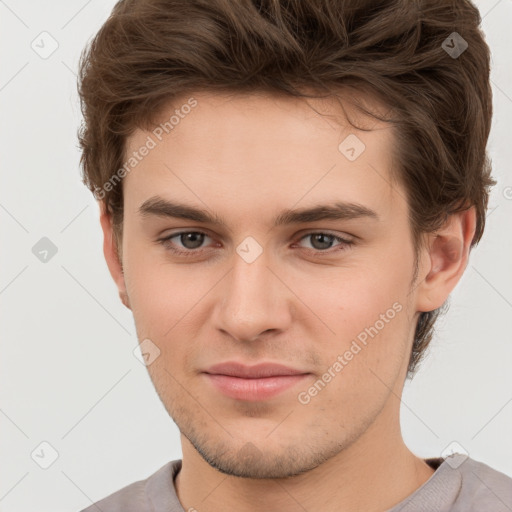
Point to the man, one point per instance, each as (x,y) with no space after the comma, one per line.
(289,192)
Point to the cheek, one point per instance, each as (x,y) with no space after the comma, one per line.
(169,301)
(369,315)
(361,366)
(350,300)
(156,290)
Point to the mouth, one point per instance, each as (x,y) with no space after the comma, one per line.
(253,383)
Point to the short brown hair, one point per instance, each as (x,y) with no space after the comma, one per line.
(149,52)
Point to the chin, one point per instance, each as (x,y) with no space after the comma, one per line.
(247,460)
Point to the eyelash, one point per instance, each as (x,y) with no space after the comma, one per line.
(166,242)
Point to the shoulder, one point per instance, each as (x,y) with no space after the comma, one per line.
(128,499)
(485,488)
(140,496)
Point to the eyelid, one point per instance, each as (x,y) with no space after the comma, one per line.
(166,239)
(344,241)
(344,236)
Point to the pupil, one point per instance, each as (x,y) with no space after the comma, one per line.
(324,237)
(189,237)
(197,239)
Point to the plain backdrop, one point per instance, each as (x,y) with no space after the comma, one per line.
(69,377)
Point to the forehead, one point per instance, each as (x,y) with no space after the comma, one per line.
(240,148)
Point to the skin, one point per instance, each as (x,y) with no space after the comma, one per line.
(245,158)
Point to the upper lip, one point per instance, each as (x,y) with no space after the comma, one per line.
(261,370)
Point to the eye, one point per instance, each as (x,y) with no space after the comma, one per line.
(322,242)
(191,242)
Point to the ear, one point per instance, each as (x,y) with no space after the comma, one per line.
(111,254)
(445,258)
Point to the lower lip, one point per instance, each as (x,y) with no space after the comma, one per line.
(254,389)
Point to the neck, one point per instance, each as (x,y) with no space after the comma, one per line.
(372,474)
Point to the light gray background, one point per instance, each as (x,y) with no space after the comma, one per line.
(68,373)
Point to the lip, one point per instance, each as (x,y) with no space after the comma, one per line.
(253,383)
(257,371)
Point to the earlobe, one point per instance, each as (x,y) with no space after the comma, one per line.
(446,257)
(111,254)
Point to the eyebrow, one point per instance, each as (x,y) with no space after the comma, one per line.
(160,207)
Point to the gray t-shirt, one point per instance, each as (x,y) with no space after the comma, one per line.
(459,484)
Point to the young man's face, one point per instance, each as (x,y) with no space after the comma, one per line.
(340,313)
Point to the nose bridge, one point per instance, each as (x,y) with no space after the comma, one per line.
(251,301)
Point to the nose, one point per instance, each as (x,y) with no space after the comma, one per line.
(253,300)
